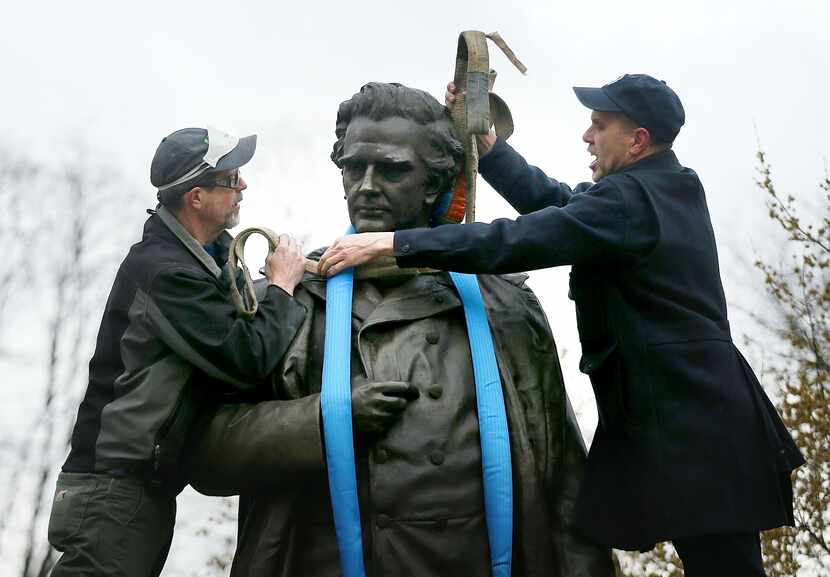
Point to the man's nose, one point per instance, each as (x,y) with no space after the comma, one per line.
(367,183)
(242,184)
(587,136)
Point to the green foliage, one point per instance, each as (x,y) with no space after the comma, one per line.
(799,318)
(662,561)
(800,292)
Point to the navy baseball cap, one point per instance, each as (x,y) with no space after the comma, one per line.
(187,155)
(644,99)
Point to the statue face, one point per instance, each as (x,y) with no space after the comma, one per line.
(384,175)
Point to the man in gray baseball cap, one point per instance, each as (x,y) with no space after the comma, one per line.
(170,340)
(193,156)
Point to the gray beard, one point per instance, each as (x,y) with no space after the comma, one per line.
(232,220)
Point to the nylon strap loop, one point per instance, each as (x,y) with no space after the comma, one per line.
(246,303)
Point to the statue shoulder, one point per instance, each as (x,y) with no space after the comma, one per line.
(516,316)
(505,282)
(507,292)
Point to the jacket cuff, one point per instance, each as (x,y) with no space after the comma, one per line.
(405,245)
(280,298)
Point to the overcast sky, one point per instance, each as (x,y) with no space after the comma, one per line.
(121,75)
(118,76)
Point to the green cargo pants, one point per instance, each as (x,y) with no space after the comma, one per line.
(111,526)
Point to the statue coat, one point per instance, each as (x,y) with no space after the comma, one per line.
(420,483)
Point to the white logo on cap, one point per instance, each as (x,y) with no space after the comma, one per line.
(220,143)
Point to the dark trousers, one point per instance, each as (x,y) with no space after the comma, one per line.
(107,525)
(732,555)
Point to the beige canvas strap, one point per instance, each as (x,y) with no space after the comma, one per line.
(476,108)
(246,303)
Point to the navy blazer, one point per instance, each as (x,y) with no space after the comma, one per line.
(688,443)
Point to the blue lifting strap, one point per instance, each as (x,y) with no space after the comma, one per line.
(335,401)
(492,427)
(336,407)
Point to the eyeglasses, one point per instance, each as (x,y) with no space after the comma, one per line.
(228,181)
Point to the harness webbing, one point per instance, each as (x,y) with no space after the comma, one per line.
(492,427)
(336,408)
(335,401)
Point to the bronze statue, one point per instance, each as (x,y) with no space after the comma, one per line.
(413,399)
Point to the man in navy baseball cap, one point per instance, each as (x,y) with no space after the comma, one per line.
(632,118)
(688,448)
(647,101)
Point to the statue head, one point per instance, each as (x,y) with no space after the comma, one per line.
(398,152)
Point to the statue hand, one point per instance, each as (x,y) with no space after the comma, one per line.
(354,250)
(376,404)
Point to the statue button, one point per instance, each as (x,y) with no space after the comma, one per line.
(383,521)
(436,457)
(439,299)
(405,248)
(381,456)
(432,338)
(435,391)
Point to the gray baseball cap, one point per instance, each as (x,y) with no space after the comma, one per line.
(188,155)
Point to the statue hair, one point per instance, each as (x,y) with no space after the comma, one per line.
(378,101)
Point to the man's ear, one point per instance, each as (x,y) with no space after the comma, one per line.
(641,141)
(193,197)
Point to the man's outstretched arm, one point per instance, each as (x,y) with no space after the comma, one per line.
(596,225)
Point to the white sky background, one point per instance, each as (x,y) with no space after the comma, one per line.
(121,75)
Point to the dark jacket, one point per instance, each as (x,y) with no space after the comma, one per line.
(420,487)
(169,322)
(688,443)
